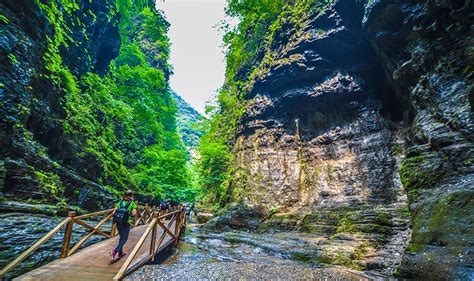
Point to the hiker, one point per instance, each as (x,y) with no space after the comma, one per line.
(123,213)
(164,206)
(188,210)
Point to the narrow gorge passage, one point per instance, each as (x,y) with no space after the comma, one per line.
(308,138)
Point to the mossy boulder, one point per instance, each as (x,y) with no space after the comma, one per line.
(442,236)
(322,221)
(351,257)
(445,222)
(281,222)
(370,221)
(238,216)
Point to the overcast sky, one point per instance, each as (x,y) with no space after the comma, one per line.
(196,53)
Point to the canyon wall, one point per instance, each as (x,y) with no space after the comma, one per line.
(360,131)
(32,109)
(86,107)
(426,50)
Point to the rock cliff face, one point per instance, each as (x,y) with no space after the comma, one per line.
(364,105)
(426,49)
(32,111)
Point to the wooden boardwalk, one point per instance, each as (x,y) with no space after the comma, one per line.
(94,262)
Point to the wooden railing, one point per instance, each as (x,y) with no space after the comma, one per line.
(177,220)
(145,215)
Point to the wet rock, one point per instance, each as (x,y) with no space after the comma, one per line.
(316,145)
(11,206)
(237,216)
(424,47)
(204,217)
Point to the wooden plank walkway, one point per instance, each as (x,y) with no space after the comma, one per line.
(94,262)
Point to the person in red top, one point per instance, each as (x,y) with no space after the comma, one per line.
(123,213)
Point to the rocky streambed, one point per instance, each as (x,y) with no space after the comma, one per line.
(21,230)
(244,255)
(204,254)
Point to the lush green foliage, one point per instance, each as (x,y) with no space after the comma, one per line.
(244,42)
(187,123)
(124,122)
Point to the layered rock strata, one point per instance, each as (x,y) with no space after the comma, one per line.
(426,49)
(364,105)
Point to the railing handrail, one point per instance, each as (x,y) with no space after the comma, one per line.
(33,248)
(149,212)
(87,236)
(135,249)
(176,216)
(94,214)
(25,254)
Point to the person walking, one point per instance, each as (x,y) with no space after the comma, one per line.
(123,213)
(164,206)
(188,210)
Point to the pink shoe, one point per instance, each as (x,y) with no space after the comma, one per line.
(113,254)
(122,255)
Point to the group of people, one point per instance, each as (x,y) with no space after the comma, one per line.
(126,209)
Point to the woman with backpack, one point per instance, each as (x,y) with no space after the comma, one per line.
(123,213)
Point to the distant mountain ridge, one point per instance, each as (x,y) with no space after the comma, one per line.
(186,119)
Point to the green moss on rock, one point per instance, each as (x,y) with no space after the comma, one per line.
(322,221)
(282,221)
(366,221)
(417,172)
(50,183)
(347,258)
(447,222)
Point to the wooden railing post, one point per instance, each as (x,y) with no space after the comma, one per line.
(113,229)
(176,227)
(155,211)
(153,238)
(67,235)
(184,216)
(146,214)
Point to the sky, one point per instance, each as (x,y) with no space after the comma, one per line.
(196,53)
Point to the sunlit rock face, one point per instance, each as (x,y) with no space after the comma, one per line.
(316,132)
(366,98)
(319,145)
